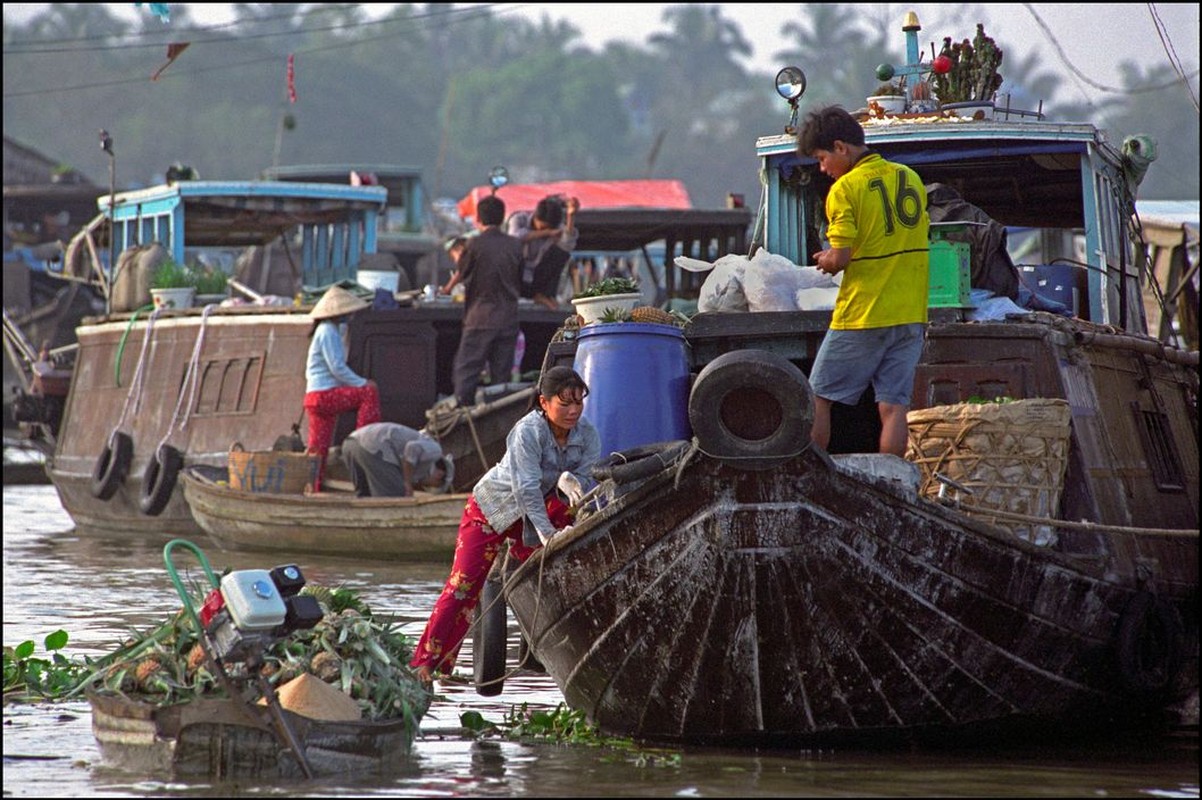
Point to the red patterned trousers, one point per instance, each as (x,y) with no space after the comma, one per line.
(475,552)
(324,408)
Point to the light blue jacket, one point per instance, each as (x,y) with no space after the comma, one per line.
(516,487)
(326,367)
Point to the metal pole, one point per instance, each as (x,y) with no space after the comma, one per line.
(106,144)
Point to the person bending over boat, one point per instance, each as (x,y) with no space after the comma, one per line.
(387,459)
(877,230)
(548,237)
(551,446)
(332,387)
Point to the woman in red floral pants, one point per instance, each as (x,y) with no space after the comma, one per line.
(552,446)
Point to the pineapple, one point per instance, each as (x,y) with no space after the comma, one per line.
(651,314)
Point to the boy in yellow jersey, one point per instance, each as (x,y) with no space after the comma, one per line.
(877,229)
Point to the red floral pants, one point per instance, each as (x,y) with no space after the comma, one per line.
(324,408)
(475,552)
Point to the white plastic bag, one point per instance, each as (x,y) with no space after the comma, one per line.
(774,283)
(723,287)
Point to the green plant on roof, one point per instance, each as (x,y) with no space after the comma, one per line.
(172,275)
(973,75)
(210,281)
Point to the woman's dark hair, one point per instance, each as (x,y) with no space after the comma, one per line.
(557,379)
(825,126)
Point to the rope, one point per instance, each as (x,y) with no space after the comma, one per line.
(121,346)
(471,424)
(135,386)
(191,378)
(1083,525)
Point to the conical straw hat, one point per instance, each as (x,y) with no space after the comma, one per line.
(312,697)
(336,302)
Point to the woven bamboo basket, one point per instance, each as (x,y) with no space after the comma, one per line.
(270,471)
(1012,456)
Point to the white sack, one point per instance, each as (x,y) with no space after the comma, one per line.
(723,287)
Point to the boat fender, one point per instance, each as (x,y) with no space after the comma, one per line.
(751,409)
(636,463)
(158,482)
(1150,644)
(112,465)
(489,640)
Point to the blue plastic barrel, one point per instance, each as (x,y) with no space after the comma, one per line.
(638,379)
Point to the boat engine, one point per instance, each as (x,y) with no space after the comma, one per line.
(253,608)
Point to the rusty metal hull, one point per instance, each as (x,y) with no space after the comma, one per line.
(222,738)
(337,524)
(808,604)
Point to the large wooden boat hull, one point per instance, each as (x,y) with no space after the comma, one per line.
(809,603)
(251,387)
(222,739)
(329,523)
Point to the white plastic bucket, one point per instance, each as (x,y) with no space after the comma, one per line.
(379,279)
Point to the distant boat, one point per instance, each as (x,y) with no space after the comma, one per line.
(335,523)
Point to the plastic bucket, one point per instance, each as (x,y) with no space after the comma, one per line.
(638,379)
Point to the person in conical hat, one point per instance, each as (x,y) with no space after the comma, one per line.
(331,386)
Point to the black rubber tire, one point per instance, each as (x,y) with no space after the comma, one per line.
(640,462)
(1150,644)
(489,641)
(751,409)
(159,479)
(113,465)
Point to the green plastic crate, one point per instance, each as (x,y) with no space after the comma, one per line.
(951,274)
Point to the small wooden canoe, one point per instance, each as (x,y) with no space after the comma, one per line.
(331,523)
(223,738)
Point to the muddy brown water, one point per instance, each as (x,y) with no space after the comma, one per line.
(98,588)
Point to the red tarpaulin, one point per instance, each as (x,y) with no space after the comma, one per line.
(592,194)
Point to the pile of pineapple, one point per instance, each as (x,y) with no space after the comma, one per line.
(364,656)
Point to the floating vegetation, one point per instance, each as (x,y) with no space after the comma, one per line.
(564,726)
(27,677)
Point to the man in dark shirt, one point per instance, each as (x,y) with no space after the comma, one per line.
(490,270)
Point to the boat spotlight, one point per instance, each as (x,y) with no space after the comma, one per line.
(791,85)
(498,176)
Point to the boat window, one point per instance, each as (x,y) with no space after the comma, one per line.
(1159,450)
(229,385)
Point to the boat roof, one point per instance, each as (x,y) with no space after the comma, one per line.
(1026,172)
(659,194)
(244,213)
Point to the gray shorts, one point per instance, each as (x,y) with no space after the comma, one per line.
(848,361)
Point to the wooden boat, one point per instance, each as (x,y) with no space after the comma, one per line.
(475,435)
(221,738)
(334,523)
(757,590)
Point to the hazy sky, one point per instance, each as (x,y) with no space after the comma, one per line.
(1095,37)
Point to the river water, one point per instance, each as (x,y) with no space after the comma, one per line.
(98,588)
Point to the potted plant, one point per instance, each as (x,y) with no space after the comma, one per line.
(889,98)
(211,285)
(172,285)
(610,296)
(965,74)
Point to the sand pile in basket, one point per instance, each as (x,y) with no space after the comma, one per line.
(1012,455)
(312,697)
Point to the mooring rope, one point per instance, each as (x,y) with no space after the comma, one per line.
(1083,525)
(191,378)
(135,385)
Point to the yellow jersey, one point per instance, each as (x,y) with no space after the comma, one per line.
(878,210)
